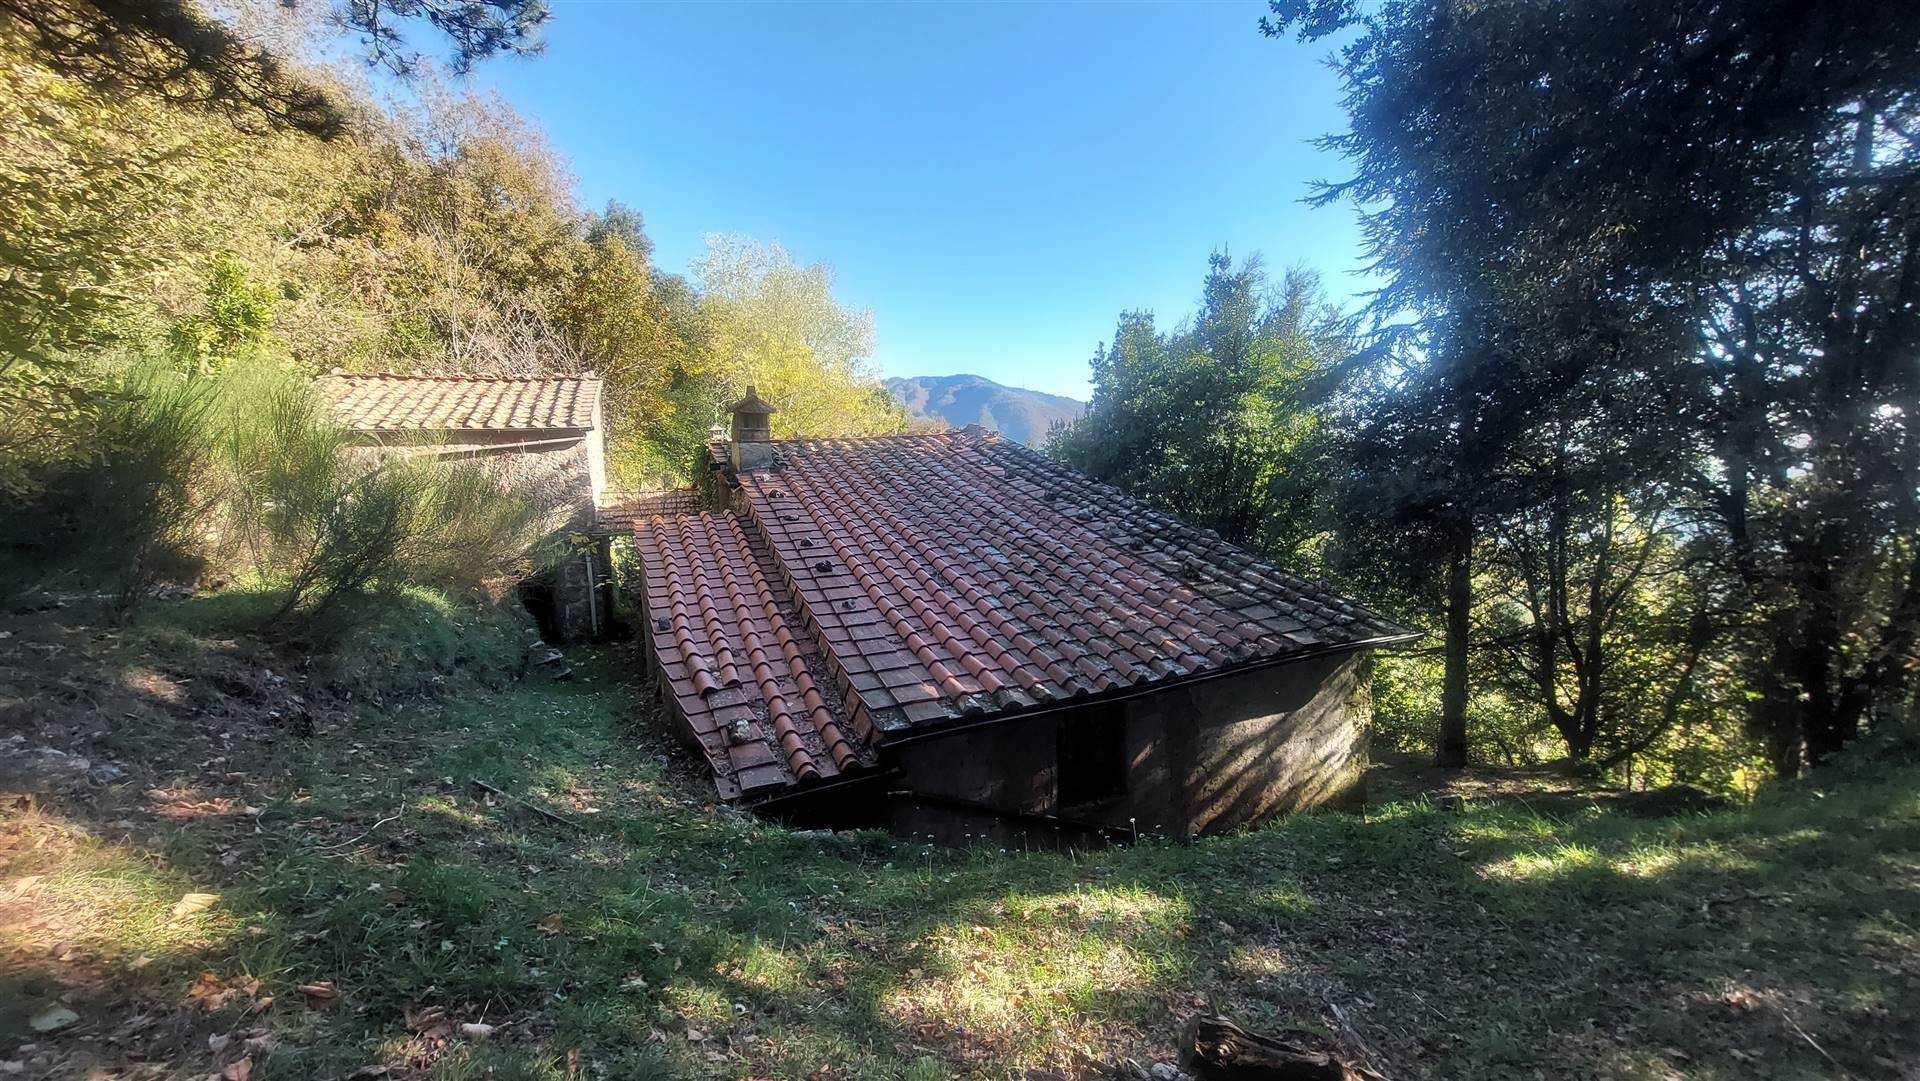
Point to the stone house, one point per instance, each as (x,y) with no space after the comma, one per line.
(544,433)
(959,618)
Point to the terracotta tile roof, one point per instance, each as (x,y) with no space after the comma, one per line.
(752,689)
(394,403)
(959,576)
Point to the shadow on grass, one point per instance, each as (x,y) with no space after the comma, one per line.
(670,938)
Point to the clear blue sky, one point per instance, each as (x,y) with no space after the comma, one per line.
(996,182)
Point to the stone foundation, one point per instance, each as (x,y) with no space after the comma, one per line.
(582,594)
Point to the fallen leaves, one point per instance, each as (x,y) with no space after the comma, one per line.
(193,904)
(21,888)
(211,993)
(208,992)
(434,1032)
(429,1021)
(182,806)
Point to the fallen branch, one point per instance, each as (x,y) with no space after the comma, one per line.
(528,804)
(1351,1035)
(1811,1042)
(1220,1049)
(370,829)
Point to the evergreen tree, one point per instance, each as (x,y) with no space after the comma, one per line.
(1713,202)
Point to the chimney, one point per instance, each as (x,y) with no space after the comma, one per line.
(752,444)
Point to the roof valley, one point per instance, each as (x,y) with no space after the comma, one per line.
(751,648)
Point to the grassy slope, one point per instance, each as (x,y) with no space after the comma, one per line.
(665,938)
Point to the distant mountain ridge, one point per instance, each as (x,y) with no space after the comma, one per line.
(960,400)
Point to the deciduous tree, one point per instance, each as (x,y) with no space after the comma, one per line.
(1221,421)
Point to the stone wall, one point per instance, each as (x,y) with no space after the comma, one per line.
(576,597)
(563,471)
(1205,757)
(1232,752)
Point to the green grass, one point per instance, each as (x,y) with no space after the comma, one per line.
(412,644)
(668,938)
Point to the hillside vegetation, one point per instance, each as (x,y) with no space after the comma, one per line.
(290,788)
(173,227)
(296,871)
(1628,424)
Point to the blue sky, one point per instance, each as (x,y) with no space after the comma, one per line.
(996,182)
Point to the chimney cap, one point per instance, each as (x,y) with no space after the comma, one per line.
(752,403)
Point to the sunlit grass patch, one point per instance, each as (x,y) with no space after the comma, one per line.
(699,1006)
(766,969)
(1485,938)
(1654,863)
(444,810)
(1263,963)
(1536,865)
(147,681)
(1126,910)
(110,900)
(1047,969)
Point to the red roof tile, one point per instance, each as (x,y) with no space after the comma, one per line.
(622,511)
(751,689)
(960,575)
(394,403)
(971,572)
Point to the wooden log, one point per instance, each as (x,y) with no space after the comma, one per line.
(1220,1050)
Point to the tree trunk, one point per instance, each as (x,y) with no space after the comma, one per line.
(1451,751)
(1779,708)
(1579,745)
(1888,679)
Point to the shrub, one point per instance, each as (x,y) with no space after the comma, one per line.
(326,524)
(480,531)
(249,468)
(235,323)
(123,504)
(1406,700)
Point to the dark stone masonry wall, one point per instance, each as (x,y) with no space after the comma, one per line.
(581,594)
(1202,758)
